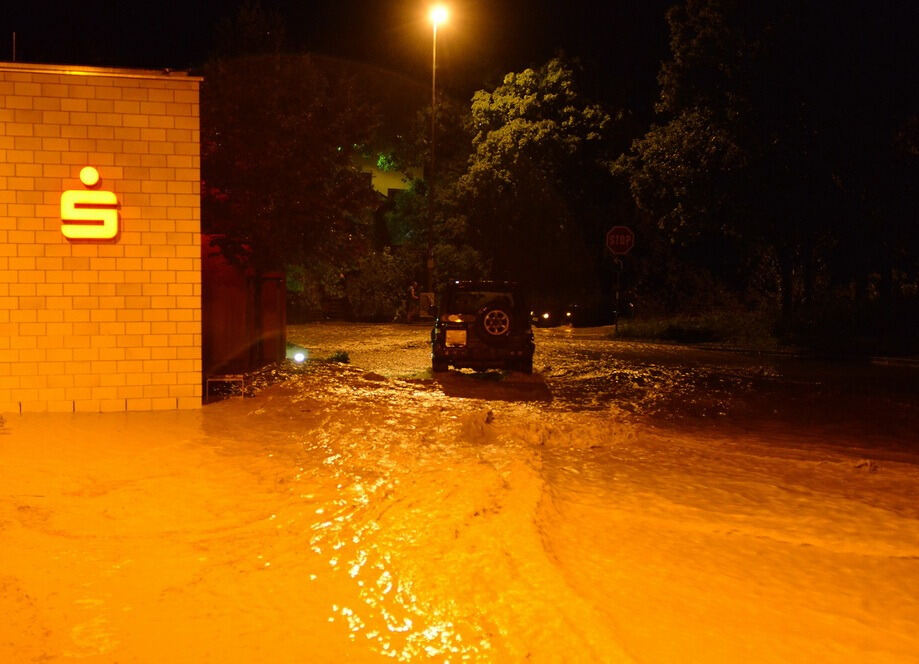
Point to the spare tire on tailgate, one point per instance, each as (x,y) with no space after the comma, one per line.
(494,321)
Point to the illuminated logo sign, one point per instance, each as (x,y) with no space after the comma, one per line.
(89,214)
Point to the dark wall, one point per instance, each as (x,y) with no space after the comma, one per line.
(243,314)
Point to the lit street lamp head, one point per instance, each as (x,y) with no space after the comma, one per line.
(438,15)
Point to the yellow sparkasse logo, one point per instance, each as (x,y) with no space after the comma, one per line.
(89,214)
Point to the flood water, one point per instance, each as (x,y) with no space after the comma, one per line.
(626,503)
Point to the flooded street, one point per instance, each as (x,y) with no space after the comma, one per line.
(625,503)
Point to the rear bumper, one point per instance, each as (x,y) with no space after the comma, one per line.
(483,356)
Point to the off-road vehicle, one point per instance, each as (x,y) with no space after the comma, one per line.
(482,325)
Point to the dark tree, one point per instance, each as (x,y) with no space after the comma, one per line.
(428,215)
(536,189)
(277,141)
(777,137)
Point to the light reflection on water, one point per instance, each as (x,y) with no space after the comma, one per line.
(368,478)
(345,518)
(540,531)
(468,536)
(433,520)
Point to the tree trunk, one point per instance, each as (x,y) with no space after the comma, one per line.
(787,276)
(810,271)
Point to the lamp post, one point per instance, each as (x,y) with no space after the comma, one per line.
(438,15)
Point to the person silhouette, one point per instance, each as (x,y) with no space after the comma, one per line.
(411,302)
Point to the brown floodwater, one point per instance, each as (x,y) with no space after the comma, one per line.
(626,503)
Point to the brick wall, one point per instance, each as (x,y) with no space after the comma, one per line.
(92,325)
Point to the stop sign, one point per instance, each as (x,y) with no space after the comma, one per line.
(620,240)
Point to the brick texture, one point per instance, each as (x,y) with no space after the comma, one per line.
(89,326)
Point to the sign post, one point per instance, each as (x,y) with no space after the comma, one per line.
(619,242)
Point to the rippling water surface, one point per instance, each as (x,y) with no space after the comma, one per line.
(626,503)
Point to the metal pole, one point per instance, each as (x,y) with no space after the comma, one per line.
(429,259)
(14,47)
(433,99)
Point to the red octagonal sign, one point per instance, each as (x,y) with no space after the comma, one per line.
(620,240)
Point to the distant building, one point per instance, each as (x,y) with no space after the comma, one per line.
(384,177)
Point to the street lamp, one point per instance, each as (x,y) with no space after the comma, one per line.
(438,15)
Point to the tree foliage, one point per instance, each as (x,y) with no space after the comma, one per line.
(277,139)
(770,140)
(534,190)
(425,218)
(376,288)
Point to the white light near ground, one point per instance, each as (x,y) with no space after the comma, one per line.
(297,353)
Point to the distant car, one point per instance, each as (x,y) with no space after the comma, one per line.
(550,316)
(482,325)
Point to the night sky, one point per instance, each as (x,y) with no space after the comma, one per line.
(620,41)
